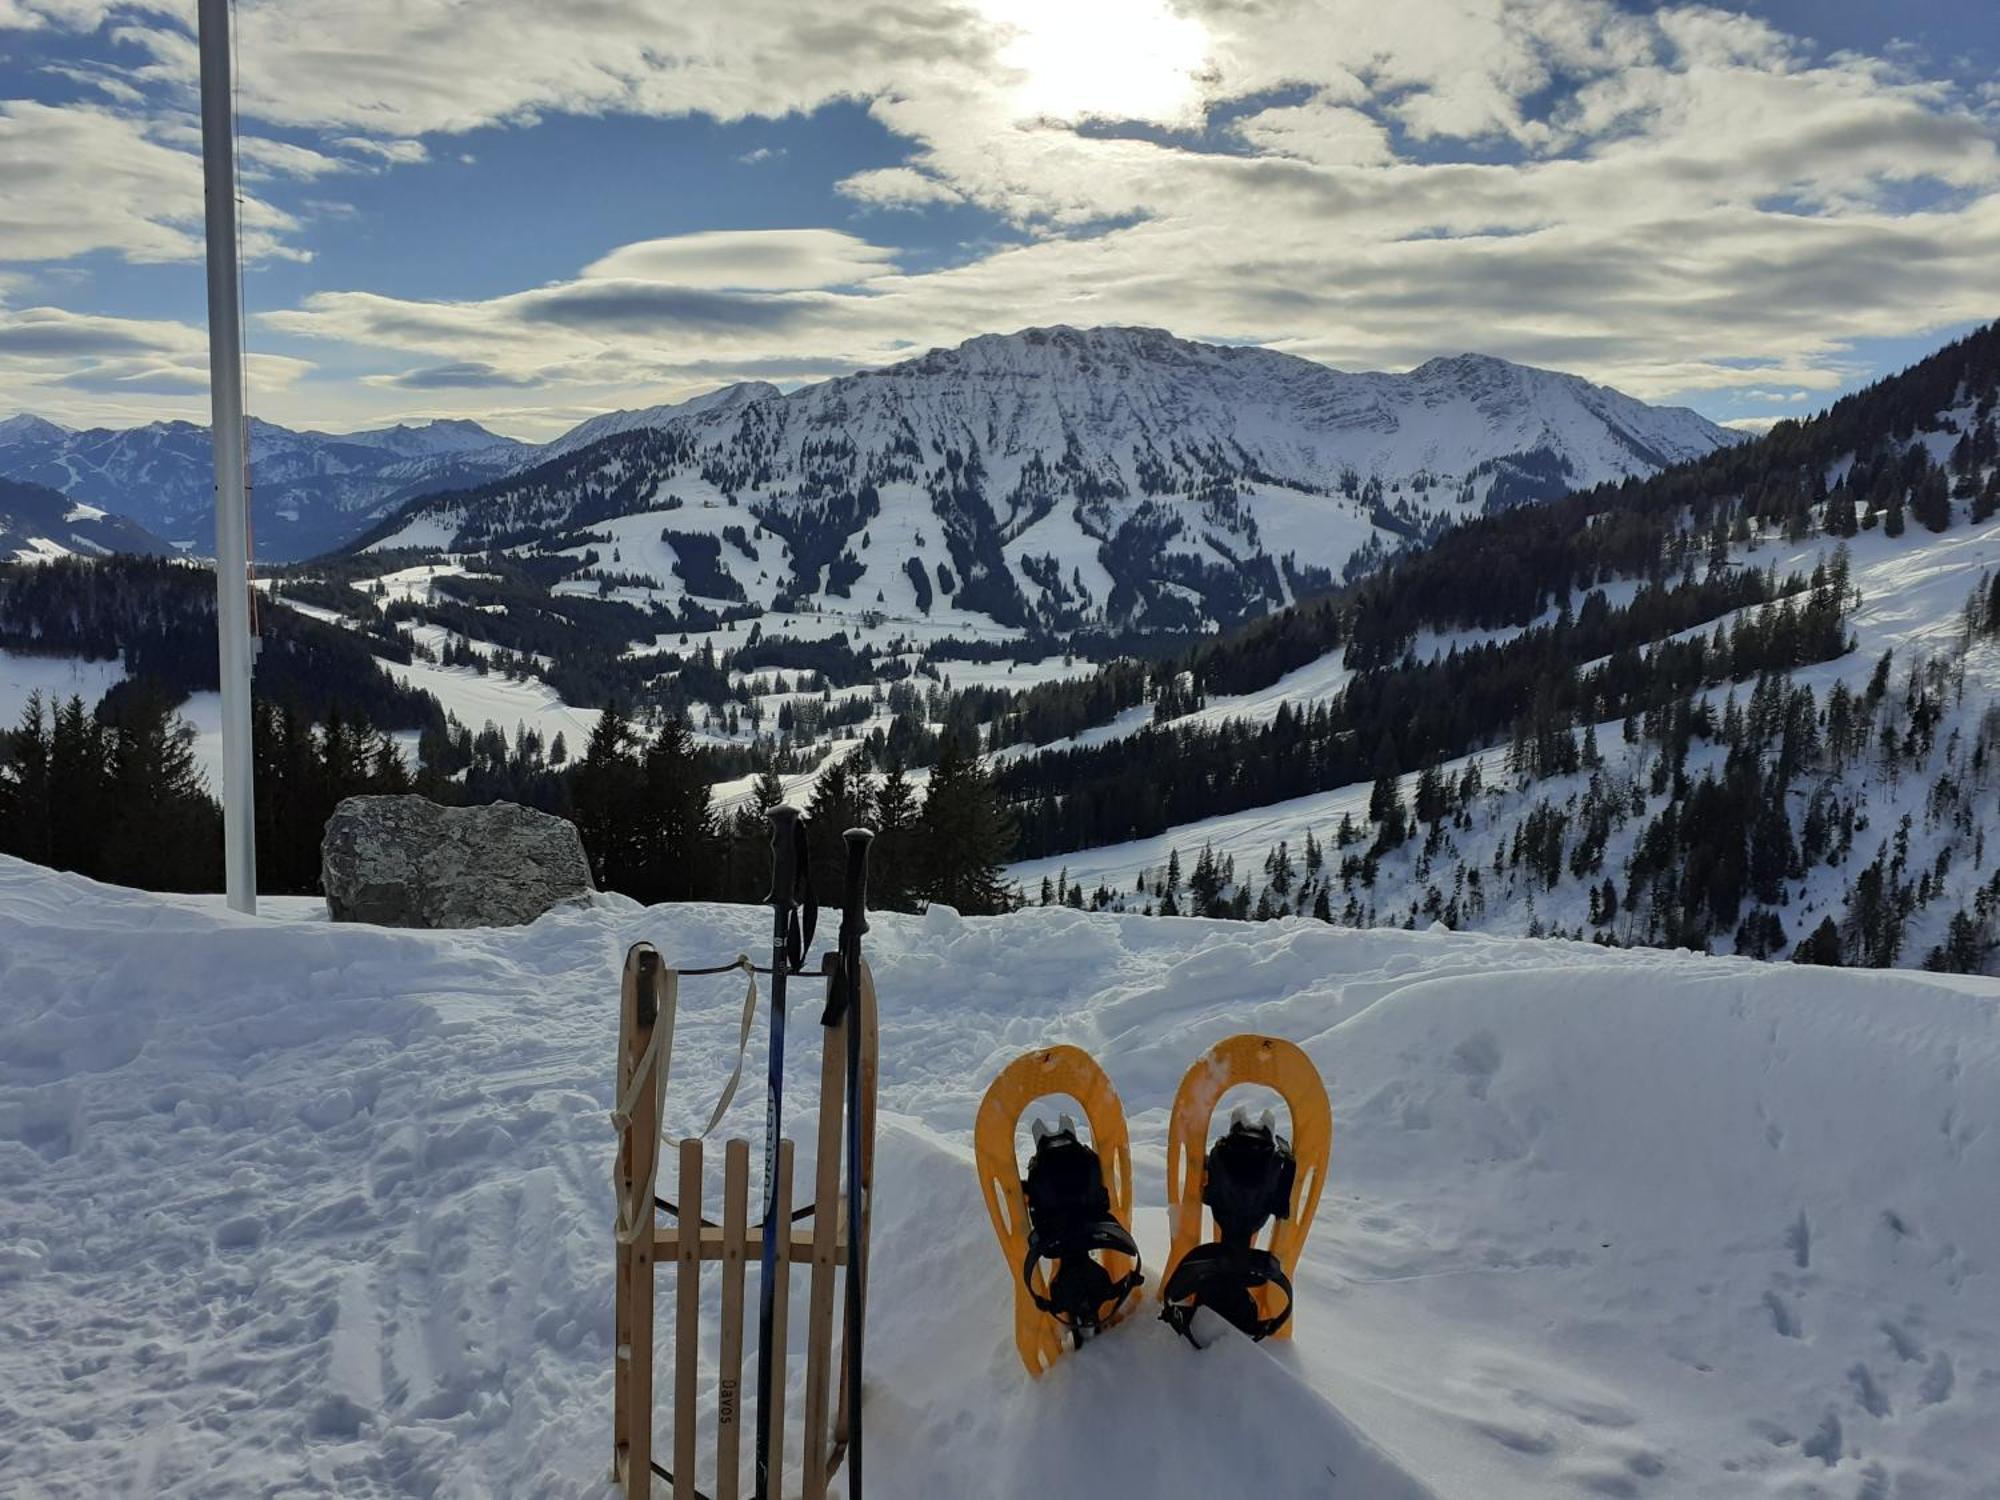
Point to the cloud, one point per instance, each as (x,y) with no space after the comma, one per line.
(51,332)
(261,156)
(467,375)
(398,153)
(85,367)
(1319,131)
(761,155)
(1672,199)
(753,259)
(82,178)
(895,187)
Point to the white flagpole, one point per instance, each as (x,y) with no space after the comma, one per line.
(225,385)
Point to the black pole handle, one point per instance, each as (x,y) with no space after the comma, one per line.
(784,857)
(854,908)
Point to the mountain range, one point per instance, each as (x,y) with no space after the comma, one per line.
(311,491)
(38,523)
(1052,477)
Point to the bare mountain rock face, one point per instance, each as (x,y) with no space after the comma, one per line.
(409,862)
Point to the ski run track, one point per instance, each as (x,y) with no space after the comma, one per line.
(295,1209)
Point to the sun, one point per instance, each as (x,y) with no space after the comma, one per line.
(1107,59)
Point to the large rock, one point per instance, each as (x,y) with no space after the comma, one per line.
(408,862)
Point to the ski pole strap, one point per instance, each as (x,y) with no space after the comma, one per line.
(1223,1277)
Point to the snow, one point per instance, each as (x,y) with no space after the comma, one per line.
(504,701)
(40,549)
(297,1208)
(428,529)
(56,678)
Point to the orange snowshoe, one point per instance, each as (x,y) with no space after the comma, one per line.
(1066,1226)
(1249,1177)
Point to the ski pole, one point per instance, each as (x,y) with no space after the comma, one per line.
(854,922)
(785,832)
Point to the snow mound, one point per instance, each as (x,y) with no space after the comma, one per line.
(295,1208)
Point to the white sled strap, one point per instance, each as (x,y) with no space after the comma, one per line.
(742,1045)
(636,1215)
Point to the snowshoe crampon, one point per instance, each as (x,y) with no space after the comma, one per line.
(1250,1177)
(1065,1228)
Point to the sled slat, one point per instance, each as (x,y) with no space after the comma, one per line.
(796,1247)
(687,1325)
(781,1303)
(826,1190)
(735,1244)
(632,1375)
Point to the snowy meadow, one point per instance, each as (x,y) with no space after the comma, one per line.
(302,1209)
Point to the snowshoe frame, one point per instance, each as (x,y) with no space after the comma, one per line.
(1267,1062)
(1061,1070)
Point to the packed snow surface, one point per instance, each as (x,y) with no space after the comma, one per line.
(298,1209)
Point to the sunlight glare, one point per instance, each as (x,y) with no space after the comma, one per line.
(1109,59)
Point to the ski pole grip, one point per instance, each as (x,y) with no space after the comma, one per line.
(784,856)
(854,915)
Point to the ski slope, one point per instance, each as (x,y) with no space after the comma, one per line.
(302,1209)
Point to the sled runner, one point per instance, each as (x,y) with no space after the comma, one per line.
(1065,1229)
(1249,1177)
(830,1232)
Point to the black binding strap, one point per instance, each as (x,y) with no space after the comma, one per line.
(1223,1277)
(1069,1217)
(1247,1181)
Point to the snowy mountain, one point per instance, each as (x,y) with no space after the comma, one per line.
(1748,706)
(612,423)
(1596,1223)
(1111,478)
(311,491)
(38,523)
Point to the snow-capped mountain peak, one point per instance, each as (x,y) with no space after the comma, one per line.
(1119,477)
(26,427)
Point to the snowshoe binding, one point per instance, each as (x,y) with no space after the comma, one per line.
(1250,1177)
(1065,1227)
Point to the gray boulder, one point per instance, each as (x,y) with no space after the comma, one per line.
(409,862)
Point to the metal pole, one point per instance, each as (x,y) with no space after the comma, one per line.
(225,388)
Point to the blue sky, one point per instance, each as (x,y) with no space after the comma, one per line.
(526,214)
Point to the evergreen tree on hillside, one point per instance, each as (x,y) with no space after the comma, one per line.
(893,875)
(968,836)
(25,830)
(76,787)
(605,796)
(842,798)
(163,831)
(677,855)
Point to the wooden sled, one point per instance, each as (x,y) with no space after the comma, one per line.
(814,1236)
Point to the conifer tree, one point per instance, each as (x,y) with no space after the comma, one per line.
(892,864)
(677,856)
(968,835)
(605,797)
